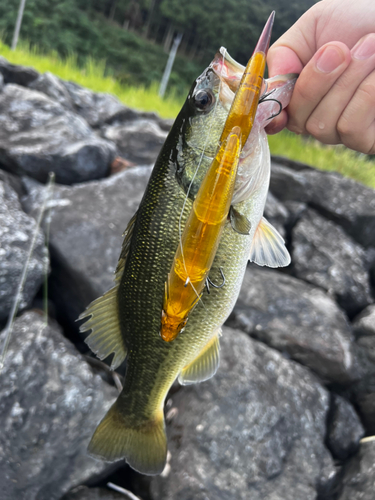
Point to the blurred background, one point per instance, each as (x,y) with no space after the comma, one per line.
(134,36)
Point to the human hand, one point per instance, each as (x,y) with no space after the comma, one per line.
(332,46)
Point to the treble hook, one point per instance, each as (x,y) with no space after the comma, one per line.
(264,98)
(209,282)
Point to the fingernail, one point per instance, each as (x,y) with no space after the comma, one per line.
(330,59)
(365,48)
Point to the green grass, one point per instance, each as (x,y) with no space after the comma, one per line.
(92,76)
(334,158)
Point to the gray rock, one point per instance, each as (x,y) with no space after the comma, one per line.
(37,135)
(87,222)
(359,474)
(364,396)
(255,430)
(84,493)
(298,319)
(1,82)
(341,199)
(139,141)
(21,75)
(276,213)
(324,255)
(344,429)
(50,404)
(95,108)
(16,234)
(364,323)
(53,87)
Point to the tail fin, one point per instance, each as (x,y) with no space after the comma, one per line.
(144,446)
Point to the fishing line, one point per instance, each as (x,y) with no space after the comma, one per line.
(10,322)
(195,174)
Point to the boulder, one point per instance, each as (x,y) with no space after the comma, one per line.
(37,135)
(138,141)
(87,222)
(95,108)
(359,474)
(50,404)
(364,323)
(12,73)
(17,230)
(52,86)
(276,213)
(343,200)
(255,430)
(324,255)
(298,319)
(344,429)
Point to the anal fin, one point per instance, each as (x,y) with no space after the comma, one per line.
(268,247)
(205,365)
(103,320)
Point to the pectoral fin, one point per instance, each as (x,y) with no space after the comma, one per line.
(268,247)
(103,320)
(205,365)
(240,223)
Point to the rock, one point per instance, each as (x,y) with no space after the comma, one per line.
(16,234)
(53,87)
(95,108)
(324,255)
(87,222)
(276,213)
(84,493)
(37,135)
(344,429)
(364,396)
(50,404)
(298,319)
(21,75)
(364,323)
(359,474)
(138,141)
(338,198)
(254,429)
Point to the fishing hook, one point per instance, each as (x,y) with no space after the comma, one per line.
(264,98)
(209,282)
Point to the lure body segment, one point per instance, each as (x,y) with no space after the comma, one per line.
(201,236)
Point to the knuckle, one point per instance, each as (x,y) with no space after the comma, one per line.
(345,127)
(312,127)
(366,93)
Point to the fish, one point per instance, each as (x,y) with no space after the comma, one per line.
(126,321)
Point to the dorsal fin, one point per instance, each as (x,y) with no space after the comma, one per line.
(105,337)
(205,365)
(128,233)
(102,314)
(268,247)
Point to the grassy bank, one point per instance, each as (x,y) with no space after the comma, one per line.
(334,158)
(92,76)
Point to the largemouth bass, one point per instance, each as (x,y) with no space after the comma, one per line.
(126,320)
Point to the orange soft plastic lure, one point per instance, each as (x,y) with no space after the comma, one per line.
(201,236)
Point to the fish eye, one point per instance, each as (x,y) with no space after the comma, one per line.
(204,100)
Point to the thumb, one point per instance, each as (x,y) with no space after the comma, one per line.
(282,60)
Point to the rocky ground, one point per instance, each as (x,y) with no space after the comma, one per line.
(291,411)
